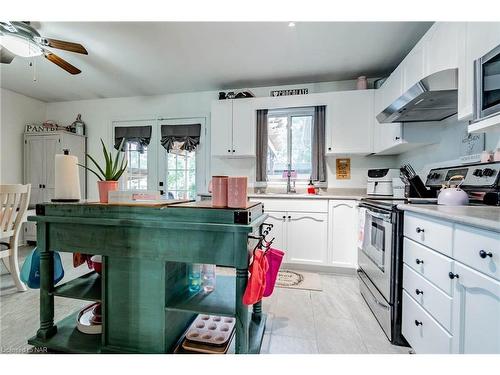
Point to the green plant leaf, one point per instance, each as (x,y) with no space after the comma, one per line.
(108,162)
(97,165)
(120,172)
(115,165)
(90,169)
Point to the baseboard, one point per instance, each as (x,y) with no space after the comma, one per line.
(320,268)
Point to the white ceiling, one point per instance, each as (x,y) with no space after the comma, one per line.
(149,58)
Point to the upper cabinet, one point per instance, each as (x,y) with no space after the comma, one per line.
(443,43)
(349,122)
(479,38)
(233,128)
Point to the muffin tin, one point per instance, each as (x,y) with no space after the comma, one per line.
(211,330)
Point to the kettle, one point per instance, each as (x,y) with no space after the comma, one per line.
(452,195)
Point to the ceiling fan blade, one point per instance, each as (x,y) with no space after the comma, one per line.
(6,56)
(61,63)
(67,46)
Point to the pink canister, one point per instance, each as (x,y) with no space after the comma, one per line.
(237,192)
(219,191)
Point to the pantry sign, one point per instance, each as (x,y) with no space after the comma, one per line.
(343,169)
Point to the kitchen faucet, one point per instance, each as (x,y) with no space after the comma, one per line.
(289,188)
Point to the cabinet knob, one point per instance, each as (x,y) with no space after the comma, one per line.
(419,261)
(233,150)
(228,150)
(483,254)
(420,230)
(453,275)
(417,323)
(329,149)
(418,291)
(397,138)
(284,217)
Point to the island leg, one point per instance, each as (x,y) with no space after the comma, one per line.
(257,311)
(47,327)
(242,323)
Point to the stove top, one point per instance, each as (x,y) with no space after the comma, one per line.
(391,202)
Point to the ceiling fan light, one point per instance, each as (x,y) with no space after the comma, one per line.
(20,46)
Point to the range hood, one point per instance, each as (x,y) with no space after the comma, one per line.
(433,98)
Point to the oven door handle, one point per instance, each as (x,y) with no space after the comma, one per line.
(385,217)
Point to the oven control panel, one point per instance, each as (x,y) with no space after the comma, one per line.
(477,175)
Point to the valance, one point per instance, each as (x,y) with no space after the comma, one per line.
(141,135)
(188,136)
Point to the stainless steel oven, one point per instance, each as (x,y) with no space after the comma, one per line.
(487,85)
(379,260)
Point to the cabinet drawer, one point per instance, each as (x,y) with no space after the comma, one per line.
(293,204)
(429,232)
(428,263)
(436,302)
(424,334)
(479,249)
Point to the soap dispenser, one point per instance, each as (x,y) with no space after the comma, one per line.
(310,187)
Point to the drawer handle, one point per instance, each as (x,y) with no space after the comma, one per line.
(483,254)
(418,261)
(453,275)
(418,291)
(420,230)
(417,323)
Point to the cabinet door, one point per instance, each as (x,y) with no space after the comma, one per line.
(350,119)
(413,67)
(442,46)
(385,135)
(34,167)
(277,218)
(221,125)
(476,310)
(52,147)
(306,237)
(392,87)
(343,234)
(244,124)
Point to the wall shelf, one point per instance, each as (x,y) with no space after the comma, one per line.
(86,287)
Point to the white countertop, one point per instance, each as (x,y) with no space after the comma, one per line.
(487,217)
(331,193)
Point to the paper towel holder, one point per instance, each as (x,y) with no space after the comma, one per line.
(65,200)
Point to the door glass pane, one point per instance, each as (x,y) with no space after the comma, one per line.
(136,175)
(277,150)
(181,175)
(301,129)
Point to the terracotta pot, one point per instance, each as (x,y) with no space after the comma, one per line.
(104,188)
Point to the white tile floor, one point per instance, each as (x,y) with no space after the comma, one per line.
(334,320)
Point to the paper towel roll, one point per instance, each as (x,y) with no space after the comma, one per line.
(67,179)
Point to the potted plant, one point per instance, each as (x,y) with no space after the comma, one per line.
(110,174)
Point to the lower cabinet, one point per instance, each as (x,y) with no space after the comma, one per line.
(343,233)
(476,307)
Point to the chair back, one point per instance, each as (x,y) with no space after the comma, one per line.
(14,200)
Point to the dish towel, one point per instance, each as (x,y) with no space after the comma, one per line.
(257,280)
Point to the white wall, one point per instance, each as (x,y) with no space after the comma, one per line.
(99,113)
(16,111)
(447,149)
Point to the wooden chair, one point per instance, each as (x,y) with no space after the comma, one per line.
(14,200)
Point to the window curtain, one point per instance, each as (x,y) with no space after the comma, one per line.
(318,144)
(184,137)
(136,134)
(261,147)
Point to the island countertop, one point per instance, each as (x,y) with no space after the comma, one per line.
(486,217)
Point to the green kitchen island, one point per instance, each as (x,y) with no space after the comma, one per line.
(146,303)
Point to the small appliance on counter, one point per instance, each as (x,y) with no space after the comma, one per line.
(380,181)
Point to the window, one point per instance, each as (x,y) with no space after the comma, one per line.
(136,175)
(181,174)
(289,142)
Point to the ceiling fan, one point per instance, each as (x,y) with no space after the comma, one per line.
(21,39)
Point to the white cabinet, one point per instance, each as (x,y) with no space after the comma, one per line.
(443,45)
(349,123)
(343,233)
(39,161)
(476,307)
(413,66)
(277,219)
(480,38)
(233,125)
(306,235)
